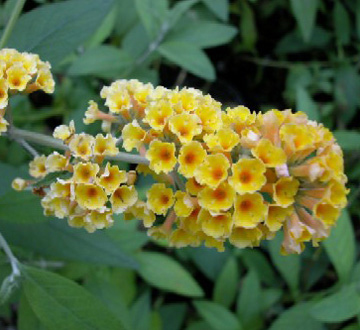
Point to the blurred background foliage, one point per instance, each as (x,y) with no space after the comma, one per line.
(300,54)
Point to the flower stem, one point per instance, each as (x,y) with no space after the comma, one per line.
(11,23)
(13,261)
(48,141)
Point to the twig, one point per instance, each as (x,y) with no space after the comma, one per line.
(27,147)
(13,261)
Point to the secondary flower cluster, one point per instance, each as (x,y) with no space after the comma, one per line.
(21,72)
(220,176)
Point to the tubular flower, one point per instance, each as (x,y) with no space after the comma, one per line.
(230,176)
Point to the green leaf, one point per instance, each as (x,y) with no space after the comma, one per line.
(227,283)
(217,316)
(11,173)
(29,212)
(340,246)
(220,8)
(357,18)
(304,12)
(306,104)
(178,10)
(104,61)
(53,31)
(140,312)
(52,177)
(348,140)
(165,273)
(173,315)
(270,297)
(27,320)
(203,34)
(249,309)
(56,239)
(247,26)
(62,304)
(338,307)
(341,24)
(188,57)
(152,14)
(296,318)
(288,266)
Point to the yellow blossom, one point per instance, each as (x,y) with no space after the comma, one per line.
(64,132)
(111,178)
(123,198)
(239,118)
(326,212)
(37,167)
(217,226)
(181,238)
(243,237)
(183,205)
(270,155)
(19,184)
(193,187)
(105,145)
(91,114)
(225,139)
(3,125)
(45,81)
(159,198)
(250,209)
(276,216)
(158,113)
(190,223)
(85,172)
(161,156)
(213,170)
(142,212)
(185,126)
(248,175)
(117,99)
(17,77)
(285,190)
(55,162)
(218,199)
(4,87)
(100,219)
(81,145)
(191,155)
(209,112)
(133,136)
(90,196)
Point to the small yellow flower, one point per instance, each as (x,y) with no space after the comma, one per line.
(100,219)
(191,155)
(180,238)
(45,80)
(3,125)
(209,112)
(218,199)
(85,172)
(81,145)
(19,184)
(215,225)
(183,205)
(158,113)
(248,175)
(185,126)
(60,207)
(90,196)
(187,99)
(133,136)
(142,212)
(190,223)
(4,87)
(239,118)
(117,99)
(270,155)
(61,188)
(212,242)
(193,187)
(161,156)
(55,162)
(111,178)
(250,209)
(105,145)
(123,198)
(213,170)
(37,167)
(225,139)
(326,212)
(92,112)
(17,77)
(276,216)
(159,198)
(64,132)
(242,237)
(298,137)
(78,221)
(285,190)
(337,193)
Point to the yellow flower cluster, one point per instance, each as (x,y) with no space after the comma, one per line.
(21,72)
(221,175)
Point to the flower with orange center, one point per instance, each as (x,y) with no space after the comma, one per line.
(159,198)
(99,219)
(91,114)
(191,155)
(209,112)
(142,212)
(17,77)
(161,156)
(111,178)
(3,93)
(58,206)
(90,196)
(37,167)
(55,162)
(133,136)
(183,205)
(185,126)
(81,145)
(270,155)
(64,132)
(180,238)
(242,237)
(285,190)
(215,225)
(45,80)
(85,172)
(248,175)
(117,99)
(239,118)
(298,137)
(157,114)
(276,216)
(123,198)
(105,145)
(225,139)
(190,222)
(212,242)
(218,199)
(193,187)
(326,212)
(250,209)
(60,188)
(187,99)
(213,170)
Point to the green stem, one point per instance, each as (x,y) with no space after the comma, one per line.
(13,261)
(11,23)
(48,141)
